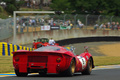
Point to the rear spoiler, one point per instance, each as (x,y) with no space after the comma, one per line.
(45,52)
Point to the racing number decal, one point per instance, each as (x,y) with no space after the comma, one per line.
(83,61)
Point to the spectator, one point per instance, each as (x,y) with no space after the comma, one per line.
(96,26)
(30,22)
(17,28)
(71,25)
(51,22)
(79,23)
(33,22)
(101,26)
(118,25)
(108,24)
(51,41)
(104,27)
(112,26)
(23,25)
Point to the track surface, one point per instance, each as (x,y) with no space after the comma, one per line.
(106,74)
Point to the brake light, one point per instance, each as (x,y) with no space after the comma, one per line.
(58,60)
(17,59)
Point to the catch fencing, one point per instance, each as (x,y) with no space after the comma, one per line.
(53,22)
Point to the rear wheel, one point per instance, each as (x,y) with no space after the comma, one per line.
(88,69)
(71,70)
(20,74)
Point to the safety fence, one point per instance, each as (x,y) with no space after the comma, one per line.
(6,49)
(57,22)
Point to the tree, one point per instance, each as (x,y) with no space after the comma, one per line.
(95,7)
(13,5)
(113,7)
(60,5)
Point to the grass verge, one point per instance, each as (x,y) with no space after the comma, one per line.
(7,66)
(106,60)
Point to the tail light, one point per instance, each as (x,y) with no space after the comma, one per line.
(17,59)
(58,60)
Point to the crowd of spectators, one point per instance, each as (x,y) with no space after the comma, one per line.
(52,22)
(108,25)
(37,22)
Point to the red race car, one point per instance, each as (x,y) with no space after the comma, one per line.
(52,59)
(41,42)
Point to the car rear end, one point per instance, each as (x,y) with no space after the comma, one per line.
(49,62)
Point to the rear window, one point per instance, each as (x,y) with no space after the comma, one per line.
(48,48)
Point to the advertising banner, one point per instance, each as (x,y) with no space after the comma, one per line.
(65,27)
(45,27)
(55,27)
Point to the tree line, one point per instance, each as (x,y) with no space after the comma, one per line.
(93,7)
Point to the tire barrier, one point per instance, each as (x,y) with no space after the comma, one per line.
(6,49)
(88,39)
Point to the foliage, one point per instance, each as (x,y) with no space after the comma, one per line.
(95,7)
(1,9)
(10,8)
(60,5)
(13,5)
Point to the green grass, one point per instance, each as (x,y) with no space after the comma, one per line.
(6,64)
(106,60)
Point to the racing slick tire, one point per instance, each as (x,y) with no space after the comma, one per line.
(71,70)
(20,74)
(88,70)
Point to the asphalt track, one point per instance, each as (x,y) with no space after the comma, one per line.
(104,74)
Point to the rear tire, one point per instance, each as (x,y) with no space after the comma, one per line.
(89,68)
(71,70)
(20,74)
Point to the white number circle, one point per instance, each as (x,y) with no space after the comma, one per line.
(83,61)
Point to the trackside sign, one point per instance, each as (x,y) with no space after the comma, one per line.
(46,27)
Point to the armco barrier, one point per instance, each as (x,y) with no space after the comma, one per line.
(7,49)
